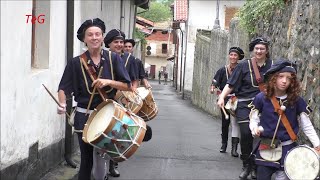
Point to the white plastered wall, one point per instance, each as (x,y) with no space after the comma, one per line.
(202,15)
(28,114)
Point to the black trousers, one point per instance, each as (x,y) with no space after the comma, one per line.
(224,127)
(86,159)
(265,172)
(246,140)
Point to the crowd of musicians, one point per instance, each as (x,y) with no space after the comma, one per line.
(93,77)
(258,96)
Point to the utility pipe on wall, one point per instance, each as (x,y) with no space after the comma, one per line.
(122,16)
(181,58)
(185,59)
(68,131)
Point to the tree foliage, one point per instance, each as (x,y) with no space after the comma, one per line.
(166,2)
(158,11)
(139,35)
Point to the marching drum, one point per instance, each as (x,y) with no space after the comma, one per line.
(302,162)
(231,105)
(149,109)
(114,130)
(129,100)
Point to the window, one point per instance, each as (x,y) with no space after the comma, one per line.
(164,48)
(229,14)
(40,35)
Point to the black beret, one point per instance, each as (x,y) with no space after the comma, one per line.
(130,41)
(88,23)
(113,34)
(237,50)
(281,65)
(258,40)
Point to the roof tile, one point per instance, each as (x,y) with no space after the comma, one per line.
(181,10)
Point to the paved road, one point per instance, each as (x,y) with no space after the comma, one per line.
(185,145)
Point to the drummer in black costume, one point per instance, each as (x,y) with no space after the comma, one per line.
(283,88)
(128,47)
(244,84)
(219,81)
(114,40)
(76,80)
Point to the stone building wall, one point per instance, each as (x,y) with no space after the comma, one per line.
(295,34)
(211,53)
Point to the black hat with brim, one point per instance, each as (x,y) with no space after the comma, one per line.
(237,50)
(258,40)
(112,35)
(281,65)
(130,41)
(89,23)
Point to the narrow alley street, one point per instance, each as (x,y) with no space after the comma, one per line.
(185,144)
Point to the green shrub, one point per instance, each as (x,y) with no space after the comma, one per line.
(258,11)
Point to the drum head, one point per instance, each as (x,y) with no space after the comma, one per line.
(143,92)
(100,122)
(132,97)
(302,162)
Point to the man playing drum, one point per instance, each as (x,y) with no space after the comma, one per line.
(114,40)
(277,111)
(77,80)
(219,81)
(128,47)
(246,82)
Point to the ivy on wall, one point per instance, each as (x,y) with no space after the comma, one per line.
(255,12)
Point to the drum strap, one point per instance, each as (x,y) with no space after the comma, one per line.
(228,71)
(125,65)
(284,118)
(257,74)
(93,74)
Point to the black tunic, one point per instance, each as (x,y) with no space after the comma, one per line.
(141,72)
(76,80)
(130,63)
(243,80)
(221,78)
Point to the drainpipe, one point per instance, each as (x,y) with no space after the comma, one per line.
(68,132)
(216,21)
(174,67)
(122,16)
(185,59)
(181,57)
(176,61)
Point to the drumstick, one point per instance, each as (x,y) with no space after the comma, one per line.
(275,132)
(225,113)
(54,99)
(94,91)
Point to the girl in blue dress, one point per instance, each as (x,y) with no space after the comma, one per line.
(283,88)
